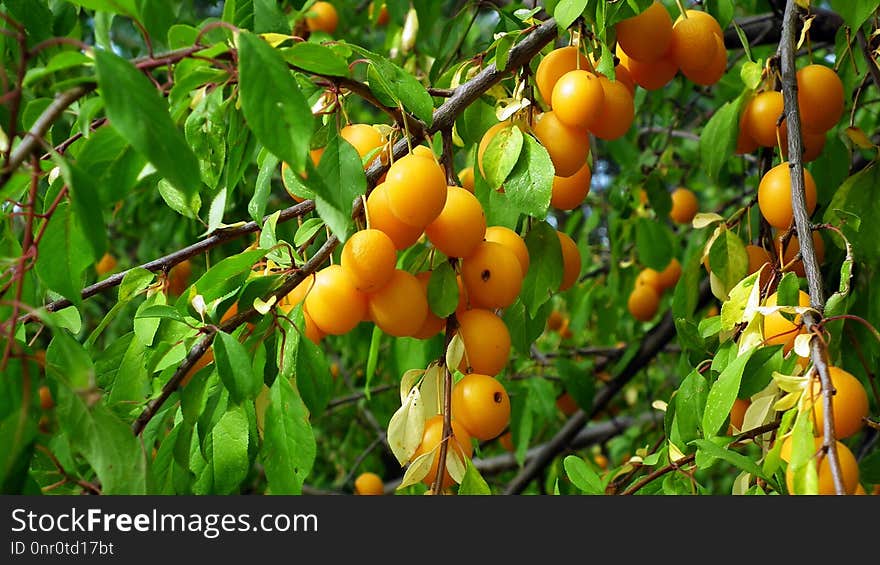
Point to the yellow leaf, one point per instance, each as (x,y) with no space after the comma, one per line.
(859,137)
(417,470)
(704,219)
(275,39)
(432,390)
(802,345)
(786,402)
(406,427)
(807,23)
(455,463)
(408,381)
(455,352)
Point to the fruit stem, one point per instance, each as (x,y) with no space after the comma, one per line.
(681,9)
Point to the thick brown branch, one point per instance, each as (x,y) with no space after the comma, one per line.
(818,350)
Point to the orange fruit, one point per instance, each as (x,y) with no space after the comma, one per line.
(492,275)
(693,42)
(571,261)
(382,17)
(745,143)
(433,324)
(566,404)
(106,264)
(650,76)
(506,441)
(813,144)
(513,241)
(466,177)
(623,75)
(684,205)
(554,65)
(617,112)
(568,146)
(206,359)
(713,72)
(764,110)
(669,276)
(322,16)
(312,331)
(577,98)
(486,341)
(461,225)
(369,483)
(643,302)
(297,295)
(849,468)
(416,188)
(315,155)
(774,195)
(793,249)
(778,330)
(737,414)
(46,400)
(400,307)
(820,98)
(178,277)
(365,139)
(650,277)
(757,257)
(570,192)
(381,218)
(481,404)
(431,438)
(369,258)
(555,320)
(646,36)
(333,303)
(849,403)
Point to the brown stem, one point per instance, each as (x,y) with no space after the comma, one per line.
(202,345)
(818,349)
(436,487)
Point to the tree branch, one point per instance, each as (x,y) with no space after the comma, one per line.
(818,349)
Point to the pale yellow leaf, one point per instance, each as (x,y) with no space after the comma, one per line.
(275,39)
(705,219)
(417,470)
(408,381)
(406,427)
(264,307)
(431,389)
(455,463)
(455,351)
(802,345)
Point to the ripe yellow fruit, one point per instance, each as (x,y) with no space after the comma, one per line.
(792,250)
(849,403)
(416,188)
(617,112)
(382,218)
(433,324)
(554,65)
(466,177)
(513,241)
(577,98)
(643,302)
(778,330)
(693,42)
(774,196)
(571,261)
(646,36)
(764,111)
(486,341)
(669,276)
(568,146)
(333,303)
(684,205)
(481,404)
(492,275)
(569,192)
(460,227)
(650,277)
(106,264)
(178,277)
(400,307)
(369,483)
(713,72)
(322,16)
(297,295)
(365,139)
(820,98)
(431,438)
(849,468)
(650,76)
(738,414)
(369,258)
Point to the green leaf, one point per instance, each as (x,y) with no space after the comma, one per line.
(690,404)
(64,254)
(315,58)
(372,359)
(262,188)
(206,133)
(344,181)
(187,205)
(393,85)
(723,394)
(312,376)
(234,366)
(567,11)
(141,117)
(443,290)
(106,443)
(721,10)
(577,380)
(856,197)
(530,183)
(473,483)
(123,7)
(268,17)
(18,429)
(272,102)
(741,461)
(288,449)
(134,282)
(161,311)
(545,267)
(655,243)
(718,138)
(307,230)
(854,12)
(228,274)
(582,475)
(759,370)
(728,259)
(502,154)
(229,450)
